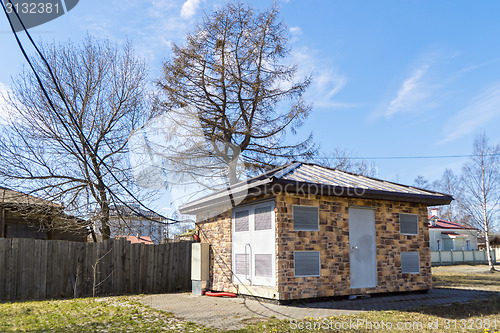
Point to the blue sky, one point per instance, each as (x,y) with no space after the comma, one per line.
(391,78)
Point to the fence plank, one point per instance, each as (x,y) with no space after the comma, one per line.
(37,252)
(3,266)
(187,266)
(80,259)
(161,269)
(125,260)
(27,246)
(150,269)
(13,268)
(43,268)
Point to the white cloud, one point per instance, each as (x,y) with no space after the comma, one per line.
(326,79)
(189,8)
(480,111)
(296,31)
(410,93)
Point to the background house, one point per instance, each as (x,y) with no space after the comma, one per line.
(136,221)
(26,216)
(306,231)
(446,235)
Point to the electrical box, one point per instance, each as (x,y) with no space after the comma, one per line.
(200,261)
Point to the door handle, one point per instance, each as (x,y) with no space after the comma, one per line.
(249,256)
(354,248)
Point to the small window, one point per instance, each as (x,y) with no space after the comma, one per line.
(438,244)
(305,218)
(306,263)
(410,262)
(241,263)
(408,224)
(241,221)
(263,218)
(264,265)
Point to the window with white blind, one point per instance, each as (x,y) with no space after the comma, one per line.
(241,221)
(241,262)
(264,265)
(307,263)
(410,262)
(263,218)
(408,224)
(305,218)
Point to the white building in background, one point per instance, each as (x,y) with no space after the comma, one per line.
(136,221)
(177,228)
(446,235)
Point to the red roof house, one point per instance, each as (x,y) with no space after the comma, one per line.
(447,235)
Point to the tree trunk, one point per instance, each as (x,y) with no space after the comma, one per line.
(487,243)
(485,219)
(231,169)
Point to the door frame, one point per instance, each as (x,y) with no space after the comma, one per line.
(254,236)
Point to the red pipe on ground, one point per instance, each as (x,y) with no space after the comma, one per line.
(219,294)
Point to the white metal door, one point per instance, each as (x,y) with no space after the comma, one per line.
(253,245)
(363,256)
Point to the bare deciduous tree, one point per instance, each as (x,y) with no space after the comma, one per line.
(421,182)
(481,184)
(105,89)
(341,160)
(451,184)
(232,75)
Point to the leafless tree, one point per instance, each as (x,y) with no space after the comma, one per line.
(230,80)
(105,87)
(421,182)
(451,184)
(341,160)
(481,191)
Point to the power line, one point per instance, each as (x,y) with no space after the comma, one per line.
(404,157)
(75,123)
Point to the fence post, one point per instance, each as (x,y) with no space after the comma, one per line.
(474,256)
(440,259)
(463,255)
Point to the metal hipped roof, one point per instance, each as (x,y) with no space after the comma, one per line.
(300,178)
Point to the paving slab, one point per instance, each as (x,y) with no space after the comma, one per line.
(235,313)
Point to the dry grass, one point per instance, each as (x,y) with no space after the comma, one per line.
(477,277)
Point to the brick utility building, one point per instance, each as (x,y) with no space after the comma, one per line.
(305,231)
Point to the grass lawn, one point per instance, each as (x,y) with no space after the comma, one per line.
(110,314)
(124,314)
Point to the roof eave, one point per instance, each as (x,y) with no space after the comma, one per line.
(262,187)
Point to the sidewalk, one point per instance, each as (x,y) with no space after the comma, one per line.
(234,313)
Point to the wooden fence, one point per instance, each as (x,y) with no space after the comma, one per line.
(43,269)
(439,258)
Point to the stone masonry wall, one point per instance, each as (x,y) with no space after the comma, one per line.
(217,232)
(332,240)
